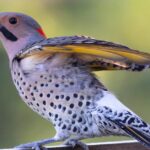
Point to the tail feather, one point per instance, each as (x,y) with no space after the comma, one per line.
(133,132)
(138,67)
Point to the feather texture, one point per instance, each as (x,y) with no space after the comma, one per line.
(96,54)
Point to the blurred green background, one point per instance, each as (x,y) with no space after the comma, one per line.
(121,21)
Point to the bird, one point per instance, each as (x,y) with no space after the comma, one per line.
(54,77)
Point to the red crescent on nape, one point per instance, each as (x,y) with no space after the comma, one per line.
(41,32)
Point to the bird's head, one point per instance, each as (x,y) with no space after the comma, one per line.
(18,31)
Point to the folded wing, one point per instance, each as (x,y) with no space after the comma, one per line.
(96,54)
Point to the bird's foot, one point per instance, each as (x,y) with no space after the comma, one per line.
(36,145)
(74,142)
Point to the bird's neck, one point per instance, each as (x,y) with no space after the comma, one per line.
(14,48)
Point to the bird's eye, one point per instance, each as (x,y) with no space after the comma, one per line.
(13,20)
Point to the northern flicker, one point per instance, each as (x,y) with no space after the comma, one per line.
(54,78)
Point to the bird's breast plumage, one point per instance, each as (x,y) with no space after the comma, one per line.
(64,95)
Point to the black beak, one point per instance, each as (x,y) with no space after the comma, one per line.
(8,35)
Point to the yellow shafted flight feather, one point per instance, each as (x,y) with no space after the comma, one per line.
(112,53)
(96,56)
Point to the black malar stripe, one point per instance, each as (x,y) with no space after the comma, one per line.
(8,34)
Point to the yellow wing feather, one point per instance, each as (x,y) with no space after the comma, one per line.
(97,56)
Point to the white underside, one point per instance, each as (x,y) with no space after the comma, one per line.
(111,101)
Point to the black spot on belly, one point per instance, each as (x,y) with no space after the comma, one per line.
(57,85)
(64,126)
(59,106)
(88,103)
(41,95)
(44,102)
(74,129)
(64,108)
(67,98)
(71,105)
(57,96)
(80,104)
(48,95)
(69,112)
(75,95)
(74,116)
(81,97)
(62,96)
(50,114)
(42,84)
(80,119)
(85,129)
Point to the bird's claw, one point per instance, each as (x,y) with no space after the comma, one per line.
(74,142)
(34,146)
